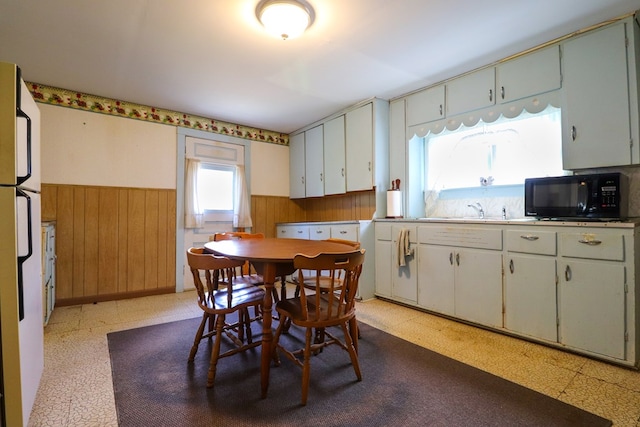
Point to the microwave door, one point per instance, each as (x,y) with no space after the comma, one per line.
(582,198)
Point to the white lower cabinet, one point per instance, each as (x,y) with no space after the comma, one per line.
(530,284)
(462,281)
(569,285)
(593,292)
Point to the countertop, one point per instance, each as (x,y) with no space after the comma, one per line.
(629,223)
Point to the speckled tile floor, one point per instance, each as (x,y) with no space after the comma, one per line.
(76,388)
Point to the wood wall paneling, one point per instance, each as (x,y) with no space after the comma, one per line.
(111,242)
(115,242)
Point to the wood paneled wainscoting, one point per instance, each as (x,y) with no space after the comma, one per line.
(267,211)
(114,243)
(111,242)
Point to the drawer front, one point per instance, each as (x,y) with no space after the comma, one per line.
(319,232)
(531,241)
(482,238)
(592,246)
(345,232)
(413,232)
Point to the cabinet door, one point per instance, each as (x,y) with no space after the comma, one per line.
(314,163)
(425,106)
(471,92)
(596,124)
(530,296)
(592,306)
(529,75)
(478,286)
(436,272)
(383,268)
(359,137)
(296,166)
(334,156)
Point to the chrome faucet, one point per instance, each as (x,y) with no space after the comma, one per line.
(478,208)
(504,212)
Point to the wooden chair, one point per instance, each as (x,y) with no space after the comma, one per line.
(244,274)
(247,274)
(322,308)
(216,302)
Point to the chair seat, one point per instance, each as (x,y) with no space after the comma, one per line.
(241,296)
(292,309)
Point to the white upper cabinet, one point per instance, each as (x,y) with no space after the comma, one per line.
(471,92)
(334,156)
(528,75)
(596,114)
(296,166)
(359,135)
(314,163)
(425,106)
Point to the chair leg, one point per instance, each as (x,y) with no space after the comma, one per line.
(198,338)
(355,332)
(215,352)
(247,325)
(352,351)
(306,366)
(276,340)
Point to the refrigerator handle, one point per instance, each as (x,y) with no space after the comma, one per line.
(23,258)
(20,113)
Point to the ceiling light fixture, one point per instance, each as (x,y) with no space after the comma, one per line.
(286,19)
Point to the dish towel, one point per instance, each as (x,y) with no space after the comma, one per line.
(404,247)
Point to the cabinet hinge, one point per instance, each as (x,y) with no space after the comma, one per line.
(626,288)
(557,321)
(626,336)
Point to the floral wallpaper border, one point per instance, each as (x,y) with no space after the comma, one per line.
(67,98)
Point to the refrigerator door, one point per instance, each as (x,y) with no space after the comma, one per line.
(20,264)
(20,131)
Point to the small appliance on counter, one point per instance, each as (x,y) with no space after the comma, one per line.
(590,197)
(394,200)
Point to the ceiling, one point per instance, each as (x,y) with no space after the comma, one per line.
(212,58)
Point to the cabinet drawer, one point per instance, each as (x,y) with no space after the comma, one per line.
(413,234)
(481,238)
(592,245)
(531,241)
(346,232)
(319,232)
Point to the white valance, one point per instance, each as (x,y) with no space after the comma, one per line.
(533,105)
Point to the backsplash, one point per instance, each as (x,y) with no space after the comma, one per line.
(492,206)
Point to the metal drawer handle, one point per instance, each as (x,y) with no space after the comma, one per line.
(590,242)
(511,268)
(529,237)
(343,232)
(490,95)
(457,259)
(567,273)
(318,231)
(451,258)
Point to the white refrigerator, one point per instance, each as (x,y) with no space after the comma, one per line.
(21,318)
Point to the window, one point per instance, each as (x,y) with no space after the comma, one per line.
(216,187)
(504,152)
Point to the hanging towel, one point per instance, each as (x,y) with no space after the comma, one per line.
(404,247)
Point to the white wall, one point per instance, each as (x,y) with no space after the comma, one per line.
(85,148)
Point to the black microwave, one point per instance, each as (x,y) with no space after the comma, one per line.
(595,197)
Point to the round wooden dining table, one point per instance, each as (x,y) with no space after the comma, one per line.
(273,258)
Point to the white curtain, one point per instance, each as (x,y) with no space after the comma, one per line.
(193,215)
(241,209)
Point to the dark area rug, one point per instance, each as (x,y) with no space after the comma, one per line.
(403,385)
